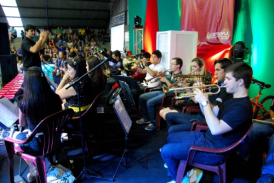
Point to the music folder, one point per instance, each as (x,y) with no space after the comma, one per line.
(122,114)
(8,113)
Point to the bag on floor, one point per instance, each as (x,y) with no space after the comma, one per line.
(193,176)
(59,174)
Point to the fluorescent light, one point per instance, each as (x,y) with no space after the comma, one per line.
(8,3)
(15,22)
(11,12)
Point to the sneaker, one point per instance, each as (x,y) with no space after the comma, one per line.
(142,121)
(265,178)
(150,127)
(165,165)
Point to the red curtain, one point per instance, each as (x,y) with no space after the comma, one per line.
(151,26)
(213,20)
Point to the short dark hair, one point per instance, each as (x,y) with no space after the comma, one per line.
(224,62)
(72,54)
(147,55)
(64,53)
(117,53)
(157,53)
(178,61)
(241,70)
(28,27)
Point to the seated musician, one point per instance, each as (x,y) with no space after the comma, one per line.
(197,68)
(178,121)
(115,66)
(38,102)
(151,70)
(149,101)
(97,77)
(233,120)
(76,68)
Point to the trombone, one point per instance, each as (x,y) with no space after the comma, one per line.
(181,93)
(157,77)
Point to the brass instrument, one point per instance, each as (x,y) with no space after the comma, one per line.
(158,76)
(181,93)
(129,63)
(263,121)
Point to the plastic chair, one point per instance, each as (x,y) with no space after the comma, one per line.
(191,109)
(51,127)
(86,115)
(163,104)
(220,169)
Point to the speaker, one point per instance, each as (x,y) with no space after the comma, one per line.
(4,39)
(8,66)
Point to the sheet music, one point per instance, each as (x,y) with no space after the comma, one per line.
(9,112)
(122,114)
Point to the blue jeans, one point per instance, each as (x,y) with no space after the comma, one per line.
(148,103)
(268,166)
(178,146)
(179,122)
(258,131)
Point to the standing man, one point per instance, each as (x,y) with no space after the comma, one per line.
(30,49)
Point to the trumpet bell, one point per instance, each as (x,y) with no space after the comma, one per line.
(129,63)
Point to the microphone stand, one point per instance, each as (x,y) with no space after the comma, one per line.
(85,173)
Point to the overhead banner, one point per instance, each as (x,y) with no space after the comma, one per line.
(117,20)
(213,20)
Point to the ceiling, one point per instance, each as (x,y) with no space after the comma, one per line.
(64,13)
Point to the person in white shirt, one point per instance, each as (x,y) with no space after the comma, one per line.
(151,70)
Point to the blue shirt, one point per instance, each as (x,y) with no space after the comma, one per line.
(15,32)
(61,43)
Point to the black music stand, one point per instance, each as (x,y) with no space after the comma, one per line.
(127,91)
(126,124)
(129,80)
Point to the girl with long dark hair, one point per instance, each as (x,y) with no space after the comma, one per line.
(38,102)
(76,68)
(97,77)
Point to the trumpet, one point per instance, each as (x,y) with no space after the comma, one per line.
(158,77)
(181,93)
(129,63)
(194,76)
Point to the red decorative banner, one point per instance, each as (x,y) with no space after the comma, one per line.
(151,26)
(213,20)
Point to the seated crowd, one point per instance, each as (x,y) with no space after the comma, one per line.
(228,114)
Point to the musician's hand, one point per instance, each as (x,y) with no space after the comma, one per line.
(163,79)
(66,76)
(198,84)
(200,96)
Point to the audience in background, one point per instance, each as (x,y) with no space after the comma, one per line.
(13,33)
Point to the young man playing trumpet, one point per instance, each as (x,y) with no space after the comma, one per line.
(149,101)
(232,122)
(178,121)
(151,70)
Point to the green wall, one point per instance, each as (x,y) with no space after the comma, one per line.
(135,7)
(169,15)
(253,24)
